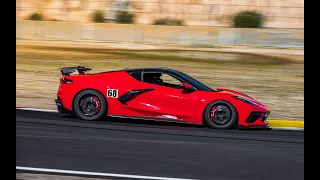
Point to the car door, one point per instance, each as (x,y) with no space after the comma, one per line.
(166,101)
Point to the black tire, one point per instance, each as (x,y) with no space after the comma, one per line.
(89,99)
(220,121)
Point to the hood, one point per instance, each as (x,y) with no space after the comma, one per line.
(236,93)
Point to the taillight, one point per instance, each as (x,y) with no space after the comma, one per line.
(65,81)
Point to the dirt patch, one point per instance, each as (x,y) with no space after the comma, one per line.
(274,81)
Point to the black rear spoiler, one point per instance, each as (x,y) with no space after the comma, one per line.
(66,71)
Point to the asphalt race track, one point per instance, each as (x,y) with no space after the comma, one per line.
(122,146)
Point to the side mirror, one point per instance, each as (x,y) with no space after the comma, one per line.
(187,86)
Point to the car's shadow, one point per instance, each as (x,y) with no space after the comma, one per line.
(154,123)
(137,121)
(150,122)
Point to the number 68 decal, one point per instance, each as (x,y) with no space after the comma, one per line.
(112,93)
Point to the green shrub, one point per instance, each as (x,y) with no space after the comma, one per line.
(124,17)
(247,19)
(36,17)
(168,22)
(161,22)
(98,17)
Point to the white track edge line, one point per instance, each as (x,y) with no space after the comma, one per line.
(39,110)
(96,173)
(55,111)
(288,128)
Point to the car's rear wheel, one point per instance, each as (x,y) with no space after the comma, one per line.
(90,105)
(220,115)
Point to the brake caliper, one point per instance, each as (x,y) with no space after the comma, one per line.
(96,100)
(212,112)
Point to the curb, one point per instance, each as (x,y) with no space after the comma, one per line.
(292,125)
(286,123)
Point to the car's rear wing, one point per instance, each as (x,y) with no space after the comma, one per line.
(66,71)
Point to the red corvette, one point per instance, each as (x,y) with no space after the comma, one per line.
(158,94)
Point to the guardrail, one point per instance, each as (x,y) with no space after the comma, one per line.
(160,34)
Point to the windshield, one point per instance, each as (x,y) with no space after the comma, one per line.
(197,84)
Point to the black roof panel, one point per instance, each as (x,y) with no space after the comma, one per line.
(150,69)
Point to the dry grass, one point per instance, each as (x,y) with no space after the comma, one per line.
(274,81)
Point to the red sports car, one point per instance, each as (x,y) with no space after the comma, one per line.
(156,94)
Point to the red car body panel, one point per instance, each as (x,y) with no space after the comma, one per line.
(158,102)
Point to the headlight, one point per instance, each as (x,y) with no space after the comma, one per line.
(245,100)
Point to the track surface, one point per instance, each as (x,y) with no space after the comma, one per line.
(46,140)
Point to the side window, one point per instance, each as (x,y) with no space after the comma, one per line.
(136,75)
(162,79)
(170,81)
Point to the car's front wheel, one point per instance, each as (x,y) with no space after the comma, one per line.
(90,105)
(220,115)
